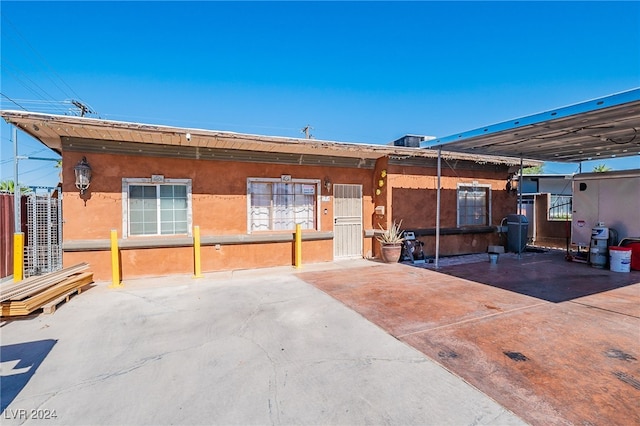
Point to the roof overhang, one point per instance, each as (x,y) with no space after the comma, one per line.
(59,131)
(602,128)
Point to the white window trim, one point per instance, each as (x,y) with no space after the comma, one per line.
(148,181)
(315,182)
(549,207)
(473,185)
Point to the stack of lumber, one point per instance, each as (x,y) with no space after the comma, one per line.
(36,292)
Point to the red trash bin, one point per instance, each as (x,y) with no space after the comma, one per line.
(635,255)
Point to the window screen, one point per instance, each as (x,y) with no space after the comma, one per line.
(473,205)
(276,206)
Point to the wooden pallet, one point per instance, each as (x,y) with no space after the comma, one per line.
(50,307)
(68,285)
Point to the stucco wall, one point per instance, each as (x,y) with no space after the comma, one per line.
(219,207)
(414,201)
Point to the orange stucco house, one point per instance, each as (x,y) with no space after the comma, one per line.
(245,193)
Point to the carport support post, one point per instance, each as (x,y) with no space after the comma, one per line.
(298,246)
(115,261)
(197,273)
(438,208)
(520,211)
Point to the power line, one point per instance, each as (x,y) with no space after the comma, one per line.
(19,76)
(66,107)
(13,101)
(32,86)
(43,61)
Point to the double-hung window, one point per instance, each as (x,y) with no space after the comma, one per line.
(474,204)
(155,207)
(281,204)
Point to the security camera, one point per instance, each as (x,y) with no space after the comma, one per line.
(188,136)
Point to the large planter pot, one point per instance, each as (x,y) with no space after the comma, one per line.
(390,253)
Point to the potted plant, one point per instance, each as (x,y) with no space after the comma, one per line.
(391,242)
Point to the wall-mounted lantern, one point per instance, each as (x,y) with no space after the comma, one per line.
(512,183)
(327,184)
(83,175)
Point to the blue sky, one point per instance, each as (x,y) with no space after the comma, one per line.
(355,71)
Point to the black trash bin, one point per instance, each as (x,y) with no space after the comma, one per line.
(517,232)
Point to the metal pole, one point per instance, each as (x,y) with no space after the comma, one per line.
(18,236)
(298,246)
(18,250)
(16,189)
(438,208)
(115,261)
(196,253)
(520,211)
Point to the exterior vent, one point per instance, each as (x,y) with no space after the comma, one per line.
(409,141)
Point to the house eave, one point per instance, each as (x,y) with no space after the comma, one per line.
(55,131)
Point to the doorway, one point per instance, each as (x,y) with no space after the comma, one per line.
(347,221)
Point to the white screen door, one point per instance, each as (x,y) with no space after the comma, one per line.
(347,221)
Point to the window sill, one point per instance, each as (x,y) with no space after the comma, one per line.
(370,233)
(166,242)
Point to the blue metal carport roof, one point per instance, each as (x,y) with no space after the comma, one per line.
(601,128)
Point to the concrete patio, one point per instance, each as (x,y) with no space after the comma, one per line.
(553,341)
(251,347)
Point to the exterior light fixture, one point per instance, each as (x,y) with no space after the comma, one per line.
(83,175)
(327,184)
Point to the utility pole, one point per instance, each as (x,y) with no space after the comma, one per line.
(82,107)
(17,194)
(306,130)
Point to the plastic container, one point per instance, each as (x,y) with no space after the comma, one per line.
(620,259)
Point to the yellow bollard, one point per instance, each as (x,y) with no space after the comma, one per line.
(115,261)
(196,253)
(298,248)
(18,256)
